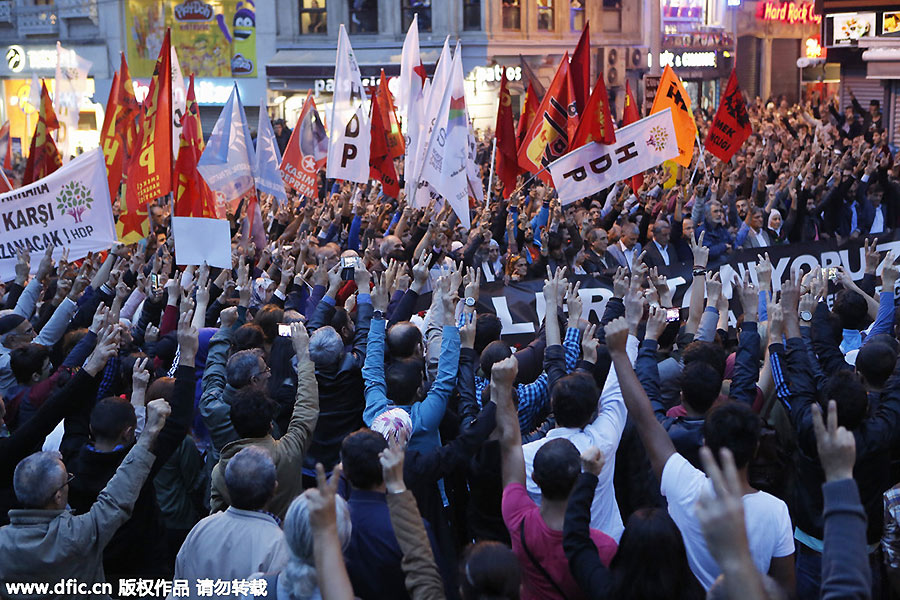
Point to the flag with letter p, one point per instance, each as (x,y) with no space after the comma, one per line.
(731,127)
(638,147)
(671,94)
(349,134)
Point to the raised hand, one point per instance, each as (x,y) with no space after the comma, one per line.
(749,297)
(100,319)
(140,376)
(872,256)
(321,499)
(391,459)
(467,331)
(836,446)
(574,304)
(188,338)
(700,252)
(157,412)
(713,290)
(592,461)
(656,323)
(107,347)
(634,309)
(379,295)
(503,373)
(589,344)
(764,272)
(616,334)
(621,282)
(300,340)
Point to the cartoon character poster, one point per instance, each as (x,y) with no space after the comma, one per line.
(213,38)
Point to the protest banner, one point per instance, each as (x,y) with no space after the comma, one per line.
(520,305)
(69,208)
(593,167)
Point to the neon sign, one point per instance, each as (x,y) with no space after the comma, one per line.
(789,12)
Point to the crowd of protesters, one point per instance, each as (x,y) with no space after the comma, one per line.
(299,420)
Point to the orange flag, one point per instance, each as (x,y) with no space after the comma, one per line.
(529,110)
(554,125)
(193,198)
(631,114)
(731,127)
(381,163)
(113,148)
(395,141)
(43,158)
(671,94)
(507,161)
(596,123)
(150,170)
(306,151)
(127,124)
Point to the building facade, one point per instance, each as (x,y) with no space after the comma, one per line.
(28,35)
(494,35)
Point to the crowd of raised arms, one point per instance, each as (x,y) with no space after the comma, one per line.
(300,420)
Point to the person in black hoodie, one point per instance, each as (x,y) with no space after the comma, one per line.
(139,547)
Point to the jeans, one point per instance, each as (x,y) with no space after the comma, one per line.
(808,567)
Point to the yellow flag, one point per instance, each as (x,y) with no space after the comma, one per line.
(670,167)
(671,94)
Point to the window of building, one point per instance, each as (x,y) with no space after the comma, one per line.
(472,15)
(313,16)
(612,15)
(545,15)
(363,16)
(512,14)
(576,15)
(416,7)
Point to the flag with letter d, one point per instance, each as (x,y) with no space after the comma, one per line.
(349,134)
(638,147)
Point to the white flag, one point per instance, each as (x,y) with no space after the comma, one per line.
(447,155)
(349,133)
(179,101)
(593,167)
(34,95)
(68,209)
(268,159)
(411,98)
(70,89)
(476,185)
(417,184)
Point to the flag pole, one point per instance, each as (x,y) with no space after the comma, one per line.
(490,185)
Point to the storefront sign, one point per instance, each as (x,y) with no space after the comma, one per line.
(686,59)
(848,28)
(683,10)
(890,23)
(791,13)
(214,38)
(24,60)
(812,48)
(493,74)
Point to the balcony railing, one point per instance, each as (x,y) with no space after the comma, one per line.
(6,14)
(37,20)
(77,9)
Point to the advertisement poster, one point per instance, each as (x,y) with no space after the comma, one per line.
(850,27)
(213,38)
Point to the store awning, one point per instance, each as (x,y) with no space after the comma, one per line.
(882,63)
(311,64)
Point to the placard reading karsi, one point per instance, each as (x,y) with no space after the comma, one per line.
(68,209)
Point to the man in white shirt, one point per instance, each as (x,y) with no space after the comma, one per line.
(244,539)
(575,394)
(733,425)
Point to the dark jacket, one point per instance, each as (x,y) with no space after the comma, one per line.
(139,546)
(716,239)
(77,395)
(654,258)
(874,439)
(341,391)
(373,555)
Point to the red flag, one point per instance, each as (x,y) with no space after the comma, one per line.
(731,127)
(5,185)
(43,158)
(596,123)
(381,163)
(306,151)
(581,70)
(193,198)
(113,148)
(150,170)
(507,160)
(529,110)
(127,123)
(6,146)
(389,120)
(554,125)
(632,114)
